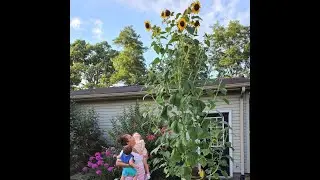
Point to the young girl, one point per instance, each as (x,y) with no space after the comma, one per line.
(140,147)
(127,157)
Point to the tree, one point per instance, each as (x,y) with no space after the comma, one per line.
(230,50)
(99,65)
(78,53)
(91,63)
(129,64)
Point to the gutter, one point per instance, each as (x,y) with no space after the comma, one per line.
(242,96)
(142,93)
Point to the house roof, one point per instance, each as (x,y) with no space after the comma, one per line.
(140,90)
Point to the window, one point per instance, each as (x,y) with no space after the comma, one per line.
(220,121)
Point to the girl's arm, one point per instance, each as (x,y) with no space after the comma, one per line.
(131,163)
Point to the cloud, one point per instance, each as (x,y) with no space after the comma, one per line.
(75,23)
(97,29)
(212,11)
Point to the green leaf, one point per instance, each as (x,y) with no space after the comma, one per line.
(203,161)
(155,150)
(160,100)
(196,17)
(224,163)
(156,61)
(168,29)
(223,91)
(212,104)
(228,144)
(162,32)
(196,42)
(156,48)
(164,113)
(172,13)
(175,127)
(175,99)
(205,151)
(186,172)
(175,155)
(153,43)
(162,37)
(225,174)
(177,16)
(193,132)
(207,42)
(185,48)
(190,29)
(226,100)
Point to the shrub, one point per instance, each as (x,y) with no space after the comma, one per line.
(102,165)
(85,136)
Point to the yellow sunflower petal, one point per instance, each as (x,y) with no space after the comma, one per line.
(147,25)
(182,24)
(195,7)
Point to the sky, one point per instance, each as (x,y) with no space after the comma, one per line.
(102,20)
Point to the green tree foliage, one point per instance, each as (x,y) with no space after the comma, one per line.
(129,64)
(230,50)
(91,63)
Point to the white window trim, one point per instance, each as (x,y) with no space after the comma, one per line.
(230,136)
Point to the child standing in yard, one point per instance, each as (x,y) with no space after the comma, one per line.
(127,157)
(140,147)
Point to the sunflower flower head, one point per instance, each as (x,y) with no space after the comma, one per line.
(163,14)
(182,24)
(167,13)
(196,24)
(147,25)
(195,7)
(201,173)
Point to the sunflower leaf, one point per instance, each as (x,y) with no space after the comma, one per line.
(156,61)
(178,15)
(190,29)
(168,29)
(196,17)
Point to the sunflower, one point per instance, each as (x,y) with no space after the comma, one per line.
(182,24)
(201,173)
(195,7)
(167,13)
(147,25)
(196,24)
(163,14)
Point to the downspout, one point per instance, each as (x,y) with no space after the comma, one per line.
(248,131)
(243,89)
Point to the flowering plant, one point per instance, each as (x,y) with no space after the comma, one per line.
(102,164)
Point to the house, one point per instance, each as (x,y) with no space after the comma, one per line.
(110,102)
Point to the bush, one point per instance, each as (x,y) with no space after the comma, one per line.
(85,136)
(102,165)
(129,122)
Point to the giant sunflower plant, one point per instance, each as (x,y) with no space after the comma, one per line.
(176,84)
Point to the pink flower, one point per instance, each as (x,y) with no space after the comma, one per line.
(98,158)
(89,164)
(100,162)
(97,154)
(99,172)
(108,153)
(106,165)
(94,166)
(151,137)
(91,158)
(110,168)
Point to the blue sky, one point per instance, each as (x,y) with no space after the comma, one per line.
(102,20)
